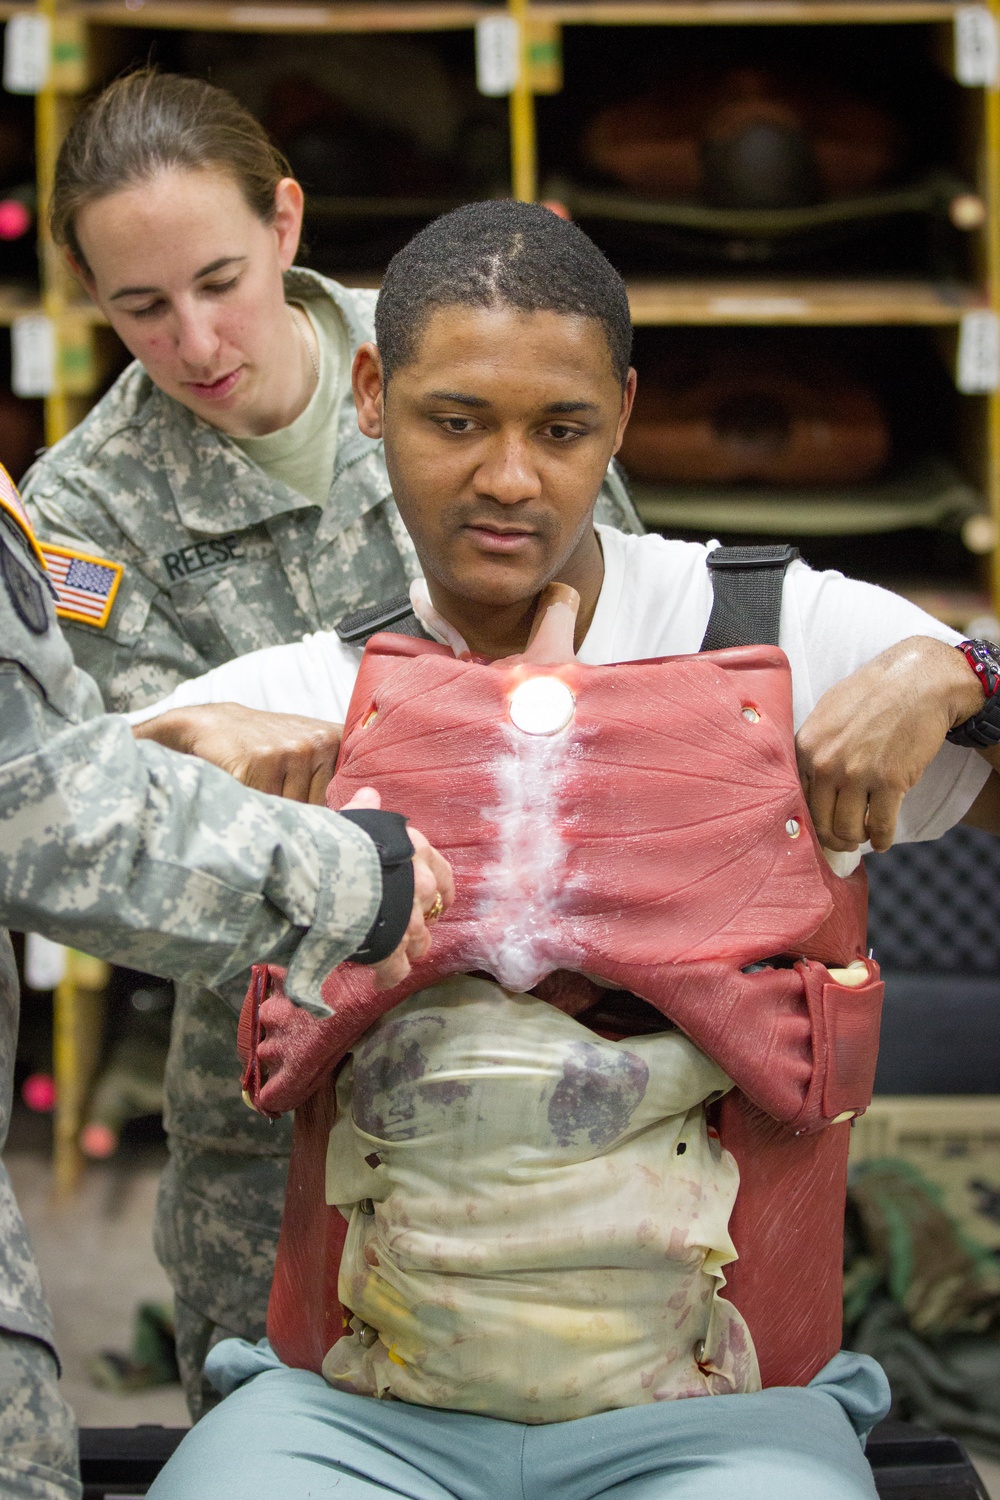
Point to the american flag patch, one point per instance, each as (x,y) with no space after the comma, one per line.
(85,586)
(11,502)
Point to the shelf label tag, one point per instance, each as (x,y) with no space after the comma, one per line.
(498,55)
(27,53)
(545,58)
(978,364)
(44,962)
(33,355)
(977,52)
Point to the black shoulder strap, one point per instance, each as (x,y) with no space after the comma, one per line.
(747,583)
(393,614)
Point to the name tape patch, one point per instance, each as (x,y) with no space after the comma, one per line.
(85,586)
(200,557)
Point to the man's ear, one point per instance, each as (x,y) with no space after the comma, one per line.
(628,396)
(369,391)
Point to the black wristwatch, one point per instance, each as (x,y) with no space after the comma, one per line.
(984,727)
(387,830)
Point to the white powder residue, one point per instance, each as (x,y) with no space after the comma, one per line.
(525,884)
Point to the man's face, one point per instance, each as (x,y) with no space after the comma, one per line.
(497,438)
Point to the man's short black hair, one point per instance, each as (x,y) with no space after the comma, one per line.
(499,254)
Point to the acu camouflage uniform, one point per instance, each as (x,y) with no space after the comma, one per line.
(148,858)
(221,560)
(37,1431)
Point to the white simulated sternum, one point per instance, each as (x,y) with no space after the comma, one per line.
(527,880)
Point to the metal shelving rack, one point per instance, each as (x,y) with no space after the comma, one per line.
(801,301)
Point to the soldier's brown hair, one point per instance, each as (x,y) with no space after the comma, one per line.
(149,122)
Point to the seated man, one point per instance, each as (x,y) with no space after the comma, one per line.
(501,387)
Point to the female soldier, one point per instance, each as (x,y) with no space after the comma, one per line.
(224,484)
(224,472)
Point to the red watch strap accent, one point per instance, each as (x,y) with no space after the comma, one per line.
(984,668)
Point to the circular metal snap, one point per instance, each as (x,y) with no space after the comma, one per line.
(750,713)
(367,1206)
(542,705)
(793,828)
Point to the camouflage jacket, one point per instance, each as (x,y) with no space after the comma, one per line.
(38,1448)
(23,1308)
(147,857)
(219,559)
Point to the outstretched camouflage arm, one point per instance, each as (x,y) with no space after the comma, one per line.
(132,852)
(163,862)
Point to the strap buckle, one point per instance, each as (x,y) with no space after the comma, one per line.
(752,557)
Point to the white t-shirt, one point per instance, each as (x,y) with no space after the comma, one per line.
(655,600)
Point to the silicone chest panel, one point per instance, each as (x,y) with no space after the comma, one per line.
(568,796)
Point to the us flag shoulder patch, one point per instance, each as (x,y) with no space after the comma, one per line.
(85,586)
(11,502)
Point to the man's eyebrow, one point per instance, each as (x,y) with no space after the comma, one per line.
(210,269)
(555,408)
(458,398)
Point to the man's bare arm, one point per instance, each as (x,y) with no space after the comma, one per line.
(871,737)
(284,754)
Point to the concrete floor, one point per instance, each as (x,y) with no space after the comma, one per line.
(97,1262)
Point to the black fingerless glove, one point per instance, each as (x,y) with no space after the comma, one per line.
(387,831)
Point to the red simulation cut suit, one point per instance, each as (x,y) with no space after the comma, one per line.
(690,875)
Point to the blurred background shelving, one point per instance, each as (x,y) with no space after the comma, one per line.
(824,167)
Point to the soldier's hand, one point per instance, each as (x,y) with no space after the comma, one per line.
(872,736)
(433,893)
(284,754)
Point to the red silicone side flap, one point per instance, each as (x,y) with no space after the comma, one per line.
(845,1033)
(852,1034)
(248,1032)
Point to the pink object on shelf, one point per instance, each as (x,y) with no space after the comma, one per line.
(98,1142)
(39,1093)
(15,220)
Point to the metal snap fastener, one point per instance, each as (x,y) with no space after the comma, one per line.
(368,1335)
(699,1351)
(793,828)
(542,705)
(367,1206)
(750,713)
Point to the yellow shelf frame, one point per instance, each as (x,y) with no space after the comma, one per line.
(993,274)
(192,15)
(742,12)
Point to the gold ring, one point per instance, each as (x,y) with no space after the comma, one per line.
(436,908)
